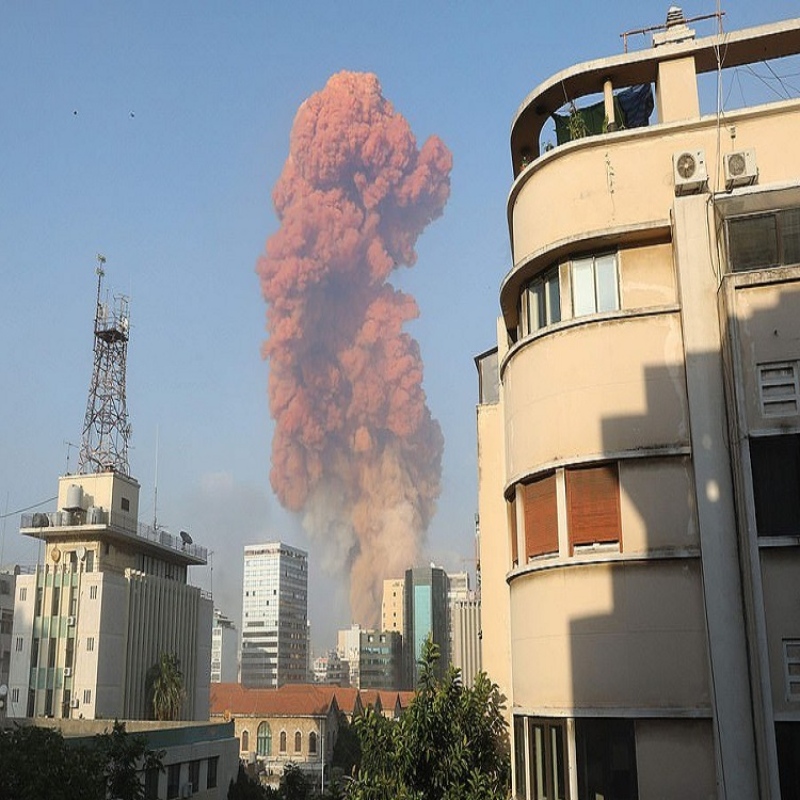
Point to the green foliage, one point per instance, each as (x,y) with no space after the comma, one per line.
(451,743)
(247,788)
(37,762)
(347,749)
(164,686)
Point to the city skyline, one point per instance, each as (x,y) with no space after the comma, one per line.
(163,158)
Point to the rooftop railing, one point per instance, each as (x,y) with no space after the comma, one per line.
(119,523)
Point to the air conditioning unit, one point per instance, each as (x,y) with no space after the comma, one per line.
(740,168)
(67,672)
(71,621)
(74,703)
(689,171)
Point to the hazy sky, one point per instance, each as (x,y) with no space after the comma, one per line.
(153,133)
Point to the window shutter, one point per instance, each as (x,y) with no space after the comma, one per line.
(593,505)
(541,517)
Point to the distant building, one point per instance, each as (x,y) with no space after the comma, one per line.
(295,724)
(331,669)
(393,604)
(224,650)
(348,648)
(7,584)
(380,660)
(465,629)
(109,599)
(425,614)
(274,615)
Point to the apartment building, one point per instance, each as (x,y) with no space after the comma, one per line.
(639,433)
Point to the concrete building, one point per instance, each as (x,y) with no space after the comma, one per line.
(465,636)
(348,648)
(392,605)
(639,434)
(274,615)
(109,598)
(331,669)
(224,649)
(425,614)
(7,587)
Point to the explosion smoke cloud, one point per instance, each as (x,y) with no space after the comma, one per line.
(355,450)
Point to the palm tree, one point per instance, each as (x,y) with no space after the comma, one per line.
(165,690)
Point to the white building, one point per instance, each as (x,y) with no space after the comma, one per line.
(274,615)
(109,599)
(224,649)
(7,582)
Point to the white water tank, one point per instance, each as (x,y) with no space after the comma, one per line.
(74,500)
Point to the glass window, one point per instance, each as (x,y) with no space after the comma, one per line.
(211,774)
(173,780)
(775,467)
(541,302)
(264,740)
(595,285)
(760,241)
(606,758)
(194,776)
(312,742)
(283,742)
(245,741)
(298,742)
(520,782)
(151,784)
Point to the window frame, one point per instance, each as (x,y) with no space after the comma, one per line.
(539,289)
(264,740)
(583,528)
(778,215)
(595,259)
(540,513)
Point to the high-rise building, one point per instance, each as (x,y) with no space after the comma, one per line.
(224,649)
(348,648)
(380,660)
(465,636)
(274,615)
(425,614)
(392,605)
(639,432)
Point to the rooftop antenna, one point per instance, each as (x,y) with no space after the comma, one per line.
(69,445)
(104,443)
(155,489)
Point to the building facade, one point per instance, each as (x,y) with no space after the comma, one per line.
(392,605)
(639,434)
(109,599)
(465,637)
(7,592)
(380,660)
(274,615)
(425,614)
(224,649)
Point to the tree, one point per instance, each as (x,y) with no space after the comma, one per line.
(451,743)
(165,690)
(38,762)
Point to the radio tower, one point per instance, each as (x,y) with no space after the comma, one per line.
(104,444)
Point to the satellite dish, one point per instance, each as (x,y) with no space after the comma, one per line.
(3,690)
(55,554)
(185,538)
(81,551)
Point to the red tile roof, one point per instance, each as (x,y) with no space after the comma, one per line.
(292,700)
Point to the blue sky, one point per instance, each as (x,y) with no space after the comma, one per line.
(153,133)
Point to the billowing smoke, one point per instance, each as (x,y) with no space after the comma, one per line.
(355,449)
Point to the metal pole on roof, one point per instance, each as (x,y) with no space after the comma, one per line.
(322,751)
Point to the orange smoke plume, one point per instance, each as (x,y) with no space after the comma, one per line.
(355,448)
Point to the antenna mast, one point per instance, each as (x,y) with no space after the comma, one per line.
(104,443)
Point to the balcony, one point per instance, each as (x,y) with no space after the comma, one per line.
(99,521)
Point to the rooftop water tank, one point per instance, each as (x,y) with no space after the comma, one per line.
(74,497)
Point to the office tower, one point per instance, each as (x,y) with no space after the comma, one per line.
(274,615)
(425,615)
(639,431)
(380,660)
(224,650)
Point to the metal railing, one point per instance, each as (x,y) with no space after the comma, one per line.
(118,522)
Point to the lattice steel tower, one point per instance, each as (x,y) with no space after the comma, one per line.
(104,444)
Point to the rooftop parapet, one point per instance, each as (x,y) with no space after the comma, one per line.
(600,76)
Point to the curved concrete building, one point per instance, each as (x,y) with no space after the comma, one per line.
(639,434)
